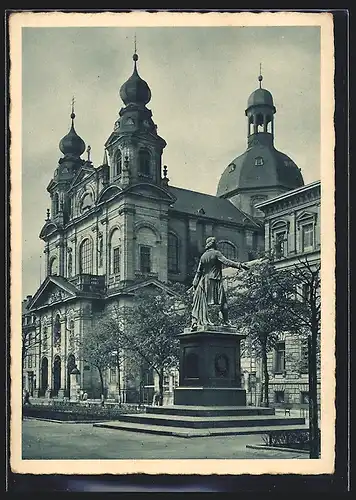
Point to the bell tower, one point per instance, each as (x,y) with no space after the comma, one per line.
(134,149)
(260,116)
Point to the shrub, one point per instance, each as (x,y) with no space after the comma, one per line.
(59,410)
(288,439)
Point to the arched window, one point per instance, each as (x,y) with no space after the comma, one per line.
(145,162)
(118,163)
(57,330)
(115,250)
(53,266)
(173,251)
(228,250)
(70,265)
(259,161)
(85,257)
(56,203)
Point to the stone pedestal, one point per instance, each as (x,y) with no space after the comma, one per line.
(74,387)
(209,368)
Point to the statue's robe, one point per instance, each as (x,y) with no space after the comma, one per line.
(208,285)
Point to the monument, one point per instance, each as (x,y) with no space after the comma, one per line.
(209,365)
(209,400)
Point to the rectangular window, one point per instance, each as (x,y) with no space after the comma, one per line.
(280,244)
(279,396)
(112,374)
(172,253)
(307,237)
(116,260)
(29,365)
(305,292)
(145,259)
(304,357)
(280,366)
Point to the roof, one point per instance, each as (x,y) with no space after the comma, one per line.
(63,283)
(260,97)
(206,205)
(289,194)
(277,169)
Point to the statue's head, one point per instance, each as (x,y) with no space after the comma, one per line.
(210,242)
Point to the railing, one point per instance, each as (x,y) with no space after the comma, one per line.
(89,282)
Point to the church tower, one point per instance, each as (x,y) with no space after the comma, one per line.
(72,147)
(134,149)
(262,171)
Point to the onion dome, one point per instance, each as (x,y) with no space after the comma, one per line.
(135,90)
(72,144)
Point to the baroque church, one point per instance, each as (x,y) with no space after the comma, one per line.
(121,225)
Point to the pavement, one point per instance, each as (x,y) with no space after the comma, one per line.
(51,440)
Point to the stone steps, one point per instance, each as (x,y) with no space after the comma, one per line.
(191,432)
(209,411)
(204,422)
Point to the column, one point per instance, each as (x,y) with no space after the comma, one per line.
(254,124)
(62,355)
(50,359)
(46,252)
(162,264)
(267,236)
(265,123)
(60,246)
(73,241)
(127,213)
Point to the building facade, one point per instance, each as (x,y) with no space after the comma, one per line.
(120,226)
(292,235)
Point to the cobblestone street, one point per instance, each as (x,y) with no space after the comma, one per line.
(49,440)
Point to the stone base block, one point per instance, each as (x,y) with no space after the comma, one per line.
(209,396)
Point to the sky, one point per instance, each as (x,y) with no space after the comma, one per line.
(200,79)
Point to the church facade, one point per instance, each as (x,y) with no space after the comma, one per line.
(120,226)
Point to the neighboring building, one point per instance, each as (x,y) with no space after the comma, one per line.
(292,233)
(29,348)
(120,226)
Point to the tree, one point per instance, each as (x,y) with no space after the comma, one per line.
(255,299)
(96,348)
(304,278)
(150,325)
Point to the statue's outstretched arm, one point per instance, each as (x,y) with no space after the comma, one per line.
(230,263)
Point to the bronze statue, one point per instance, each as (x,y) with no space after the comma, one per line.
(207,284)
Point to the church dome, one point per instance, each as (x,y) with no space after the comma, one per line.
(135,90)
(260,97)
(261,166)
(72,144)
